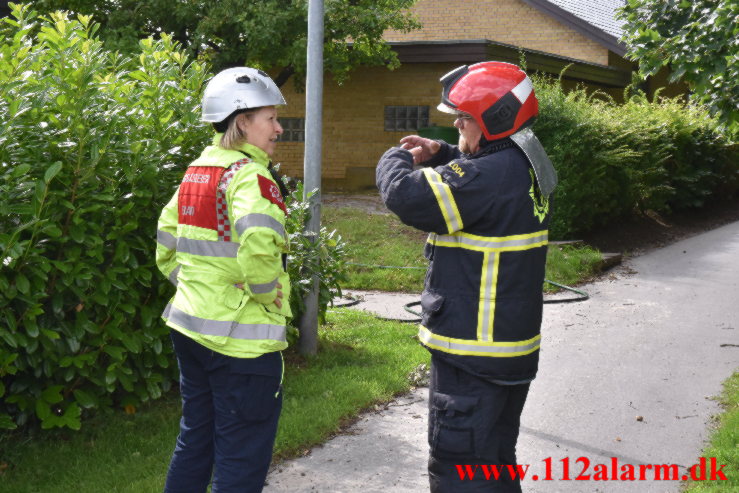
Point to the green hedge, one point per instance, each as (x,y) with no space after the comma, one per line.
(92,145)
(617,159)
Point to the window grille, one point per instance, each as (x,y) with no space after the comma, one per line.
(401,118)
(293,129)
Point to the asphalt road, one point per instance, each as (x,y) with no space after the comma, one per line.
(629,374)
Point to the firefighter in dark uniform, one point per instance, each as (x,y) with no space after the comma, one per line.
(485,204)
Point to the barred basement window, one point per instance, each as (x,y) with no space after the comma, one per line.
(293,129)
(406,117)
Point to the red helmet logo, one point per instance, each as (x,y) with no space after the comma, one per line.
(499,96)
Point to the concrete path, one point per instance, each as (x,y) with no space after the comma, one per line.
(382,304)
(628,374)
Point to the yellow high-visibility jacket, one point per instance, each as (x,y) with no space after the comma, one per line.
(225,226)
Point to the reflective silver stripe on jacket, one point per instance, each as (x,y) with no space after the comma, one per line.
(173,275)
(224,328)
(264,220)
(491,243)
(166,239)
(263,288)
(444,197)
(488,290)
(478,348)
(207,248)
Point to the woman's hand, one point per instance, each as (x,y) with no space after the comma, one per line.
(421,148)
(278,299)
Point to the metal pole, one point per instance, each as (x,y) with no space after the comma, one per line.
(312,162)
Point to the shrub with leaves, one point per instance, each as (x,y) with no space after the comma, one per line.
(591,161)
(695,161)
(92,145)
(88,145)
(324,255)
(614,160)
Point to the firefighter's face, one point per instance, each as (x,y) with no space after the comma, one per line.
(469,133)
(263,129)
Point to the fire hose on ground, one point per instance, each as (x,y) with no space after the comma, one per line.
(583,295)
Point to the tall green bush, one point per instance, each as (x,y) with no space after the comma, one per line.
(614,160)
(694,158)
(92,145)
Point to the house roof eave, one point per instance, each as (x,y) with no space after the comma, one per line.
(473,51)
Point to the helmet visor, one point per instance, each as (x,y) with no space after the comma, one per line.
(447,82)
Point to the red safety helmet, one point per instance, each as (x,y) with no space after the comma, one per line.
(499,96)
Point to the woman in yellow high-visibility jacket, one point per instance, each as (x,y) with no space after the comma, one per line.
(221,240)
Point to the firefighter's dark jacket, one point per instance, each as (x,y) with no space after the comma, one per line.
(482,302)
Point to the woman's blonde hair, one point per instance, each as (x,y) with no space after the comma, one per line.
(234,135)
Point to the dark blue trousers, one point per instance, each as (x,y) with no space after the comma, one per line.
(230,408)
(472,421)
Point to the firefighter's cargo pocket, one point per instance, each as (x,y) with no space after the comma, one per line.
(431,302)
(253,397)
(452,426)
(428,249)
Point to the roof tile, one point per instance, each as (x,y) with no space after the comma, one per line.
(598,13)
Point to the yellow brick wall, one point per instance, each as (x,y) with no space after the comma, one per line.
(290,154)
(504,21)
(353,116)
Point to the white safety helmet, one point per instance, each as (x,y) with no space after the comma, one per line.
(238,88)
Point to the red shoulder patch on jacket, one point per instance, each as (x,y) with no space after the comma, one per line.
(271,192)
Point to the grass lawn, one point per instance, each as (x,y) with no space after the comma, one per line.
(724,445)
(362,361)
(382,240)
(377,239)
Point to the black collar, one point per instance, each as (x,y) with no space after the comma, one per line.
(487,147)
(275,175)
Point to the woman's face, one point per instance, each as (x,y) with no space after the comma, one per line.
(262,129)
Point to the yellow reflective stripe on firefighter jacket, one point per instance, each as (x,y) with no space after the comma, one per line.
(225,228)
(488,225)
